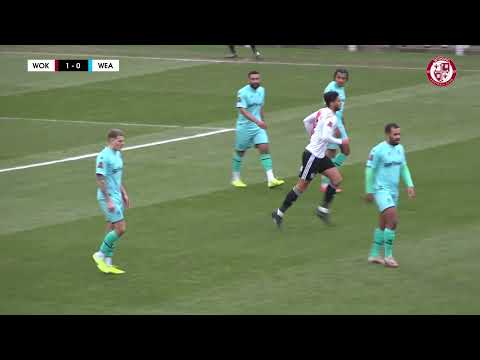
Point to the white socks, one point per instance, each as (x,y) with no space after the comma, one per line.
(270,176)
(108,261)
(323,210)
(100,255)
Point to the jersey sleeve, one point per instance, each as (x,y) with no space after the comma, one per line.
(309,123)
(101,165)
(328,129)
(404,157)
(373,159)
(241,100)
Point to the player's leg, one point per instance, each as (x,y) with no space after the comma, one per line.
(374,256)
(387,205)
(338,157)
(243,141)
(391,221)
(256,53)
(261,143)
(117,225)
(330,153)
(233,52)
(335,178)
(307,173)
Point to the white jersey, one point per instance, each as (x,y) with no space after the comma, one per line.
(321,126)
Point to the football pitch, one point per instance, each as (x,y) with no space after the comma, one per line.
(196,245)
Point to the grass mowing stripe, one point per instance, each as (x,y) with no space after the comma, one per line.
(86,156)
(109,123)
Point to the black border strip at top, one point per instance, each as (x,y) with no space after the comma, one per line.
(258,22)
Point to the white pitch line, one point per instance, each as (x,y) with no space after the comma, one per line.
(141,146)
(386,67)
(109,123)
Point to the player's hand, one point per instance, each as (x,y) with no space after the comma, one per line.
(346,141)
(110,206)
(126,201)
(369,198)
(411,192)
(261,124)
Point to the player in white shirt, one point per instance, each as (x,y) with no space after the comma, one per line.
(321,126)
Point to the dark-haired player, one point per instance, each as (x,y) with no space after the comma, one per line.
(340,78)
(234,54)
(322,125)
(386,164)
(251,130)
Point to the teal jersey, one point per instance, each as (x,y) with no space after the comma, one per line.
(343,97)
(252,100)
(387,160)
(110,165)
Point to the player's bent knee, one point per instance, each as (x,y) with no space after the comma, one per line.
(337,180)
(121,228)
(302,185)
(331,153)
(263,148)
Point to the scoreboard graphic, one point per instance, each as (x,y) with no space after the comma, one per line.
(88,65)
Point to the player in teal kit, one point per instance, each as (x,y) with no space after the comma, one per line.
(386,164)
(340,77)
(251,130)
(112,199)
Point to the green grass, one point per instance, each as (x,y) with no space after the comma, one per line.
(194,244)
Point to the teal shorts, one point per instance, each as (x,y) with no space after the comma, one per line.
(385,199)
(343,135)
(245,137)
(114,216)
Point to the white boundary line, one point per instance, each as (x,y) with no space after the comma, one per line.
(110,123)
(86,156)
(213,61)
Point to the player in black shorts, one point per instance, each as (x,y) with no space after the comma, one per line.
(321,126)
(234,54)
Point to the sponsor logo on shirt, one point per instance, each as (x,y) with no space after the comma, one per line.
(392,163)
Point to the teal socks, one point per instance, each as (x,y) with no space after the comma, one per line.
(378,238)
(389,236)
(108,244)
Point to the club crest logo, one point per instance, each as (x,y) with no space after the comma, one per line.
(441,71)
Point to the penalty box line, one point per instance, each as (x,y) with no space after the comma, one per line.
(135,147)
